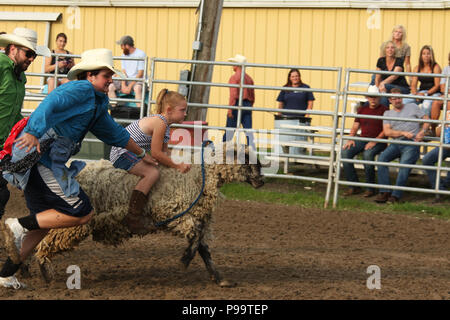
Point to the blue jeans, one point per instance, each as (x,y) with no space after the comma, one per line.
(429,160)
(126,161)
(426,103)
(286,138)
(408,155)
(369,155)
(246,120)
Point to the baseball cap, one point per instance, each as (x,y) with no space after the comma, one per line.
(126,40)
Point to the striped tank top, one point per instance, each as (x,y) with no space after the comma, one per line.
(142,140)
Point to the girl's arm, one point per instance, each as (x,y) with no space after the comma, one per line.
(414,81)
(157,147)
(392,78)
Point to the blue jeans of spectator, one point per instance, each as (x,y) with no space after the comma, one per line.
(369,155)
(426,103)
(389,87)
(430,159)
(246,121)
(285,138)
(408,154)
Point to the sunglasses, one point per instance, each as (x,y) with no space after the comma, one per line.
(28,53)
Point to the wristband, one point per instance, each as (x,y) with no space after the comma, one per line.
(141,155)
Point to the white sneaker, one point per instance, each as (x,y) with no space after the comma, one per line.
(12,282)
(18,233)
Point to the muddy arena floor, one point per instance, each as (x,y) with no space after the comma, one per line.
(271,251)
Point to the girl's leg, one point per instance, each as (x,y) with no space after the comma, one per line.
(149,175)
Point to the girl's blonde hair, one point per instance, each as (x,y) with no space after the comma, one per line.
(399,26)
(167,98)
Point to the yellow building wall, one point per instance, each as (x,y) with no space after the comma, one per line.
(347,38)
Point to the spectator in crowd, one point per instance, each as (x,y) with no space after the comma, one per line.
(293,100)
(386,82)
(402,49)
(64,63)
(370,128)
(20,51)
(431,158)
(429,86)
(131,68)
(400,130)
(248,99)
(437,105)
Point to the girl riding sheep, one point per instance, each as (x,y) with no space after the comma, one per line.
(152,134)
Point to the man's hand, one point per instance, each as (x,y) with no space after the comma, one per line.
(230,114)
(408,135)
(29,141)
(349,144)
(419,136)
(370,145)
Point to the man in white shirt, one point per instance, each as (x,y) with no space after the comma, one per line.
(131,68)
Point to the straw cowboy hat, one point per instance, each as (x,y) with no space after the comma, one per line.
(238,58)
(26,38)
(93,60)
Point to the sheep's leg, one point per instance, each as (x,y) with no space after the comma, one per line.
(203,250)
(190,251)
(57,241)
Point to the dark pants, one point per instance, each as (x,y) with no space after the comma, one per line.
(368,155)
(4,194)
(246,120)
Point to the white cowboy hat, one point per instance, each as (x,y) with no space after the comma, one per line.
(372,89)
(93,60)
(26,38)
(238,58)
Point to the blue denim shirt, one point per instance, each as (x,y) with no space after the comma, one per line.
(68,111)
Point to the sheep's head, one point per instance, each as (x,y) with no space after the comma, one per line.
(239,163)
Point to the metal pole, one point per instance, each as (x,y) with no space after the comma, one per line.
(143,88)
(150,85)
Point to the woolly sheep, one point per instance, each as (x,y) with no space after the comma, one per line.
(109,190)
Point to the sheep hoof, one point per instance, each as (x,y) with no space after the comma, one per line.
(226,284)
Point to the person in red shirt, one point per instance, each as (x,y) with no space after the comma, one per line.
(248,99)
(370,128)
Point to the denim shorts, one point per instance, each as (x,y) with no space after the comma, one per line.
(44,193)
(126,161)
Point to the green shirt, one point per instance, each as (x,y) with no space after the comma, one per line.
(12,92)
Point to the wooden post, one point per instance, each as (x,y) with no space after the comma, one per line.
(207,40)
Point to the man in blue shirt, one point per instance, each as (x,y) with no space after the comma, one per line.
(66,115)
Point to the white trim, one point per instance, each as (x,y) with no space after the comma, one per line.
(405,4)
(28,16)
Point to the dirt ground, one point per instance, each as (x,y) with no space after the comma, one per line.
(272,251)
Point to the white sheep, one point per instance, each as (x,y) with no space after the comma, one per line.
(109,190)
